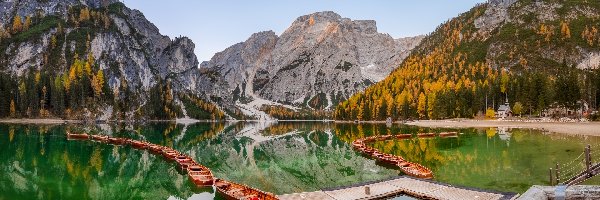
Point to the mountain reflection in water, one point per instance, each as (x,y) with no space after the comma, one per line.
(37,162)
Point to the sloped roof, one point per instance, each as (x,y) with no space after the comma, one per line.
(504,108)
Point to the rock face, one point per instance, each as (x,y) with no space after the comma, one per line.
(132,51)
(503,14)
(321,57)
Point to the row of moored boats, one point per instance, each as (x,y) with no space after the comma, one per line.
(409,168)
(199,174)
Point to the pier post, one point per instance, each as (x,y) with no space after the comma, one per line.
(588,160)
(551,179)
(557,170)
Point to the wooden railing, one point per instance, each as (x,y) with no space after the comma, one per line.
(576,171)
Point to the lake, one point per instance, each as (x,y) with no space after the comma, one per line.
(37,162)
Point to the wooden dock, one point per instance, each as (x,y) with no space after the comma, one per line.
(418,188)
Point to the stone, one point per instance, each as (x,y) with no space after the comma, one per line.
(320,54)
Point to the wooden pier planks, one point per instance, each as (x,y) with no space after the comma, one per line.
(401,185)
(318,195)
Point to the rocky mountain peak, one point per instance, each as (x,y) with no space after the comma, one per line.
(318,17)
(331,21)
(319,60)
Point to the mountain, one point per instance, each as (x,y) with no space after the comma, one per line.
(319,60)
(92,59)
(538,54)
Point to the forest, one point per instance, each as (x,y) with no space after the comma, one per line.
(450,74)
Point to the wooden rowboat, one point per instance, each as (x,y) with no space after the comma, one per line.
(234,191)
(81,136)
(411,169)
(184,162)
(369,150)
(426,135)
(116,141)
(391,159)
(403,164)
(100,138)
(170,154)
(138,145)
(200,175)
(155,149)
(403,136)
(416,170)
(448,134)
(358,145)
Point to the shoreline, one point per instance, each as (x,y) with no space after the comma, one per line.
(40,121)
(177,121)
(570,128)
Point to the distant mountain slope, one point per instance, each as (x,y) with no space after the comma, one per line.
(540,54)
(318,61)
(91,59)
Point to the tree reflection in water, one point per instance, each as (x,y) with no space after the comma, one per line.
(37,162)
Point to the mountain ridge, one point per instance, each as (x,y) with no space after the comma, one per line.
(321,58)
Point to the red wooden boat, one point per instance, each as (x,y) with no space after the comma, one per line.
(155,149)
(100,138)
(411,169)
(200,175)
(384,137)
(358,145)
(448,134)
(416,170)
(369,150)
(170,154)
(138,145)
(391,159)
(369,140)
(403,136)
(184,161)
(234,191)
(116,141)
(403,163)
(81,136)
(426,135)
(377,155)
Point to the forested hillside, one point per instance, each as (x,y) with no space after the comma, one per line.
(539,54)
(94,60)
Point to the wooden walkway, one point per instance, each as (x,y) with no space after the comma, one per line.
(418,188)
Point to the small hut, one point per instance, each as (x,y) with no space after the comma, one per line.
(504,110)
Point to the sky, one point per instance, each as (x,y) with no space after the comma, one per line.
(217,24)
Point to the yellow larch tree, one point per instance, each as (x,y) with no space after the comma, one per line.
(421,104)
(13,109)
(84,14)
(17,25)
(565,31)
